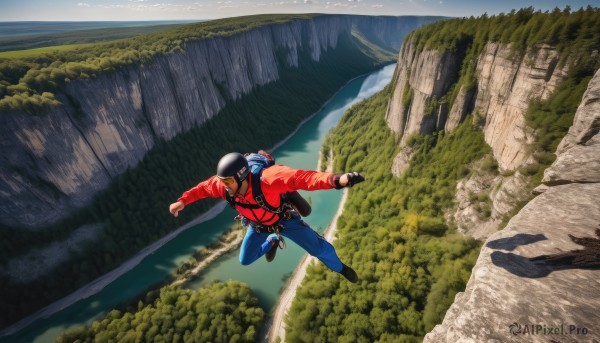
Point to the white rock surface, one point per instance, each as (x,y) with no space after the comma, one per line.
(505,85)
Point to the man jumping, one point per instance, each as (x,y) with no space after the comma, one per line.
(261,198)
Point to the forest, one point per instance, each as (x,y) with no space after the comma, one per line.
(134,209)
(220,312)
(78,36)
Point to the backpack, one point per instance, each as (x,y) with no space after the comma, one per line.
(257,162)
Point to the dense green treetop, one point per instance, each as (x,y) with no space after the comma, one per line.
(222,312)
(570,32)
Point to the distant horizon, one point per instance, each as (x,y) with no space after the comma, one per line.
(100,21)
(192,10)
(204,19)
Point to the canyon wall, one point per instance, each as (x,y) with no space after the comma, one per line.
(504,87)
(57,160)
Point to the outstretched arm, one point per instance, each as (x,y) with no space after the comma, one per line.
(211,188)
(289,180)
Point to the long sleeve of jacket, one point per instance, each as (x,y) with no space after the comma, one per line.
(286,179)
(210,188)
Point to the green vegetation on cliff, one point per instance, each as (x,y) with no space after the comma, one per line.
(30,78)
(221,312)
(392,231)
(134,209)
(574,35)
(570,32)
(551,118)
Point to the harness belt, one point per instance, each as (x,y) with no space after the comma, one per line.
(273,228)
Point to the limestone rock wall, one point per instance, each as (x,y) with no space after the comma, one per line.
(505,85)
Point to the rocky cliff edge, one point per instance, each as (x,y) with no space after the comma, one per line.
(538,279)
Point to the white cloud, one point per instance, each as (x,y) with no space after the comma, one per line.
(377,6)
(83,4)
(138,5)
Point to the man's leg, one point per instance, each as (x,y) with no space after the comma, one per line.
(254,246)
(299,232)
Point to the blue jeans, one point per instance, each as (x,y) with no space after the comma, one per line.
(255,244)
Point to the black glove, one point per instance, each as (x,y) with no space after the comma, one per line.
(353,178)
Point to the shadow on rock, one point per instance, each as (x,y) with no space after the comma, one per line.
(511,243)
(543,265)
(520,265)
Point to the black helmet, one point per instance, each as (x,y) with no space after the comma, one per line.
(233,165)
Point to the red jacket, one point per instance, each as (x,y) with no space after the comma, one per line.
(275,181)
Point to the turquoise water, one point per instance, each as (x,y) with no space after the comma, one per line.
(301,152)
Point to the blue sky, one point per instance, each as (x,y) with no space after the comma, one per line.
(84,10)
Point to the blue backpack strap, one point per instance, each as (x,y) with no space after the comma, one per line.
(258,195)
(257,163)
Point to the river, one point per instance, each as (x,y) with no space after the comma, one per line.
(300,151)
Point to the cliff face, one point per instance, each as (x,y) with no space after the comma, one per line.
(427,74)
(505,85)
(499,98)
(57,160)
(504,90)
(539,269)
(388,32)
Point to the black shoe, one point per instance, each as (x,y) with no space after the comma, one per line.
(270,255)
(349,273)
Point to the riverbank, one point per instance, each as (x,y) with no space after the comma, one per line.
(101,282)
(228,242)
(275,327)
